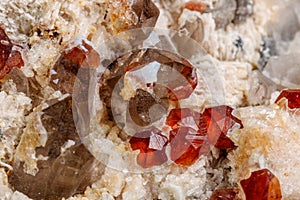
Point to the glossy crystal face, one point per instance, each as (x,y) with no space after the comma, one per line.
(262,184)
(290,97)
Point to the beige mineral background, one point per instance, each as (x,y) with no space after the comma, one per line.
(44,28)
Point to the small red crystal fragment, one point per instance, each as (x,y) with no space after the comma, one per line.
(196,6)
(262,185)
(183,87)
(186,145)
(292,97)
(183,117)
(152,145)
(219,122)
(8,57)
(84,56)
(224,194)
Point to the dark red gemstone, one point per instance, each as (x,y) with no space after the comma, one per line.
(220,121)
(224,194)
(292,97)
(8,57)
(152,146)
(262,185)
(187,145)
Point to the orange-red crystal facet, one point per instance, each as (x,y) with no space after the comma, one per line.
(152,145)
(262,185)
(220,121)
(196,6)
(292,97)
(185,145)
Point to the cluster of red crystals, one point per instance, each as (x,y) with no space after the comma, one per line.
(9,58)
(192,133)
(261,185)
(292,97)
(152,146)
(196,6)
(224,194)
(219,122)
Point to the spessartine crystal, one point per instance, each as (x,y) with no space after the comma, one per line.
(191,136)
(220,121)
(152,146)
(9,58)
(292,97)
(262,185)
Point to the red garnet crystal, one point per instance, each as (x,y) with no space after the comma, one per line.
(183,117)
(186,144)
(219,122)
(9,58)
(196,6)
(262,185)
(224,194)
(292,97)
(152,145)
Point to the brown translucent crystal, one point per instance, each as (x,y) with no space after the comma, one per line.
(262,185)
(9,58)
(147,13)
(64,73)
(140,108)
(292,97)
(152,146)
(63,173)
(225,194)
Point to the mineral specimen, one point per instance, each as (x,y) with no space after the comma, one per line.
(262,185)
(172,77)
